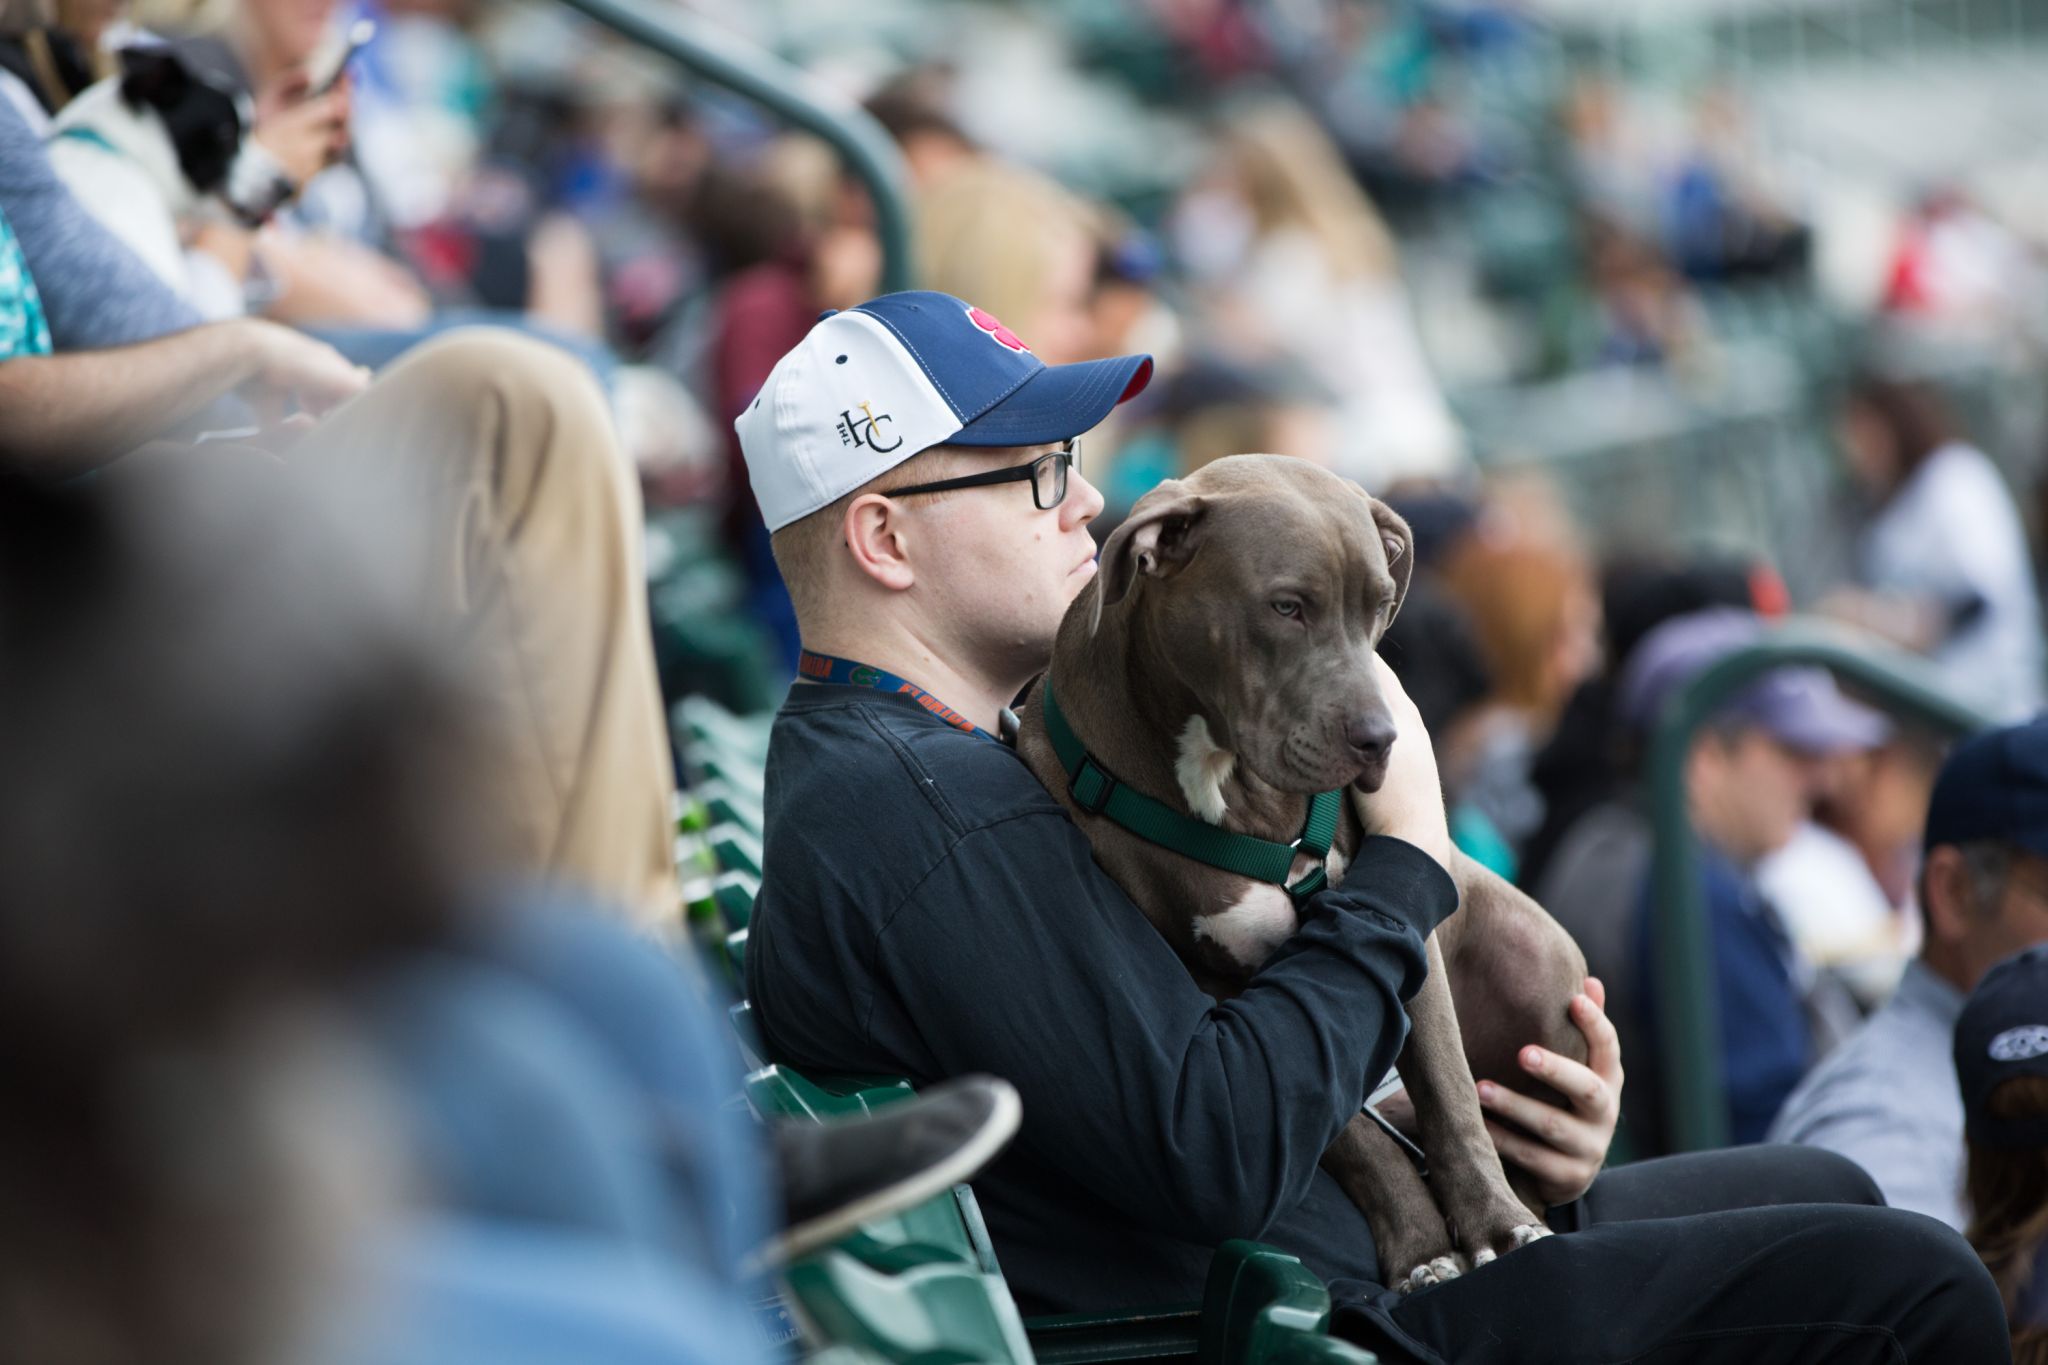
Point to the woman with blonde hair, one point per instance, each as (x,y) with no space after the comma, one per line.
(1019,245)
(2001,1052)
(1300,265)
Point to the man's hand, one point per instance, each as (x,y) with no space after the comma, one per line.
(1410,802)
(292,367)
(305,133)
(1569,1145)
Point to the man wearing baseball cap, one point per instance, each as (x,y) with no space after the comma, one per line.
(1750,779)
(1887,1098)
(928,909)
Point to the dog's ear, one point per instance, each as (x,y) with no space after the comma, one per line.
(1157,540)
(152,77)
(1399,543)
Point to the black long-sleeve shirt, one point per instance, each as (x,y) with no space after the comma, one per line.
(929,910)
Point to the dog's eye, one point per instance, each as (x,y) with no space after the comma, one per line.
(1288,608)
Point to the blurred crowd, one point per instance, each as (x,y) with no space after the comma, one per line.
(1257,196)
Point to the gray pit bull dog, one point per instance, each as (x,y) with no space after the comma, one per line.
(1223,663)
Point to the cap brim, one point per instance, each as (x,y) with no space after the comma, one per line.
(1058,402)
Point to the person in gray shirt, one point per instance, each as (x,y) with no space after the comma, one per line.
(1887,1098)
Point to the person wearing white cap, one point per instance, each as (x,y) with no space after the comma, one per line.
(928,909)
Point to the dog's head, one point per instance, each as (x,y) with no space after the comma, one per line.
(1265,583)
(202,119)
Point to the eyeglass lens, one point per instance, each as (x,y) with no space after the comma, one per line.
(1049,479)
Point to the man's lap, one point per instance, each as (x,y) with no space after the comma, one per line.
(1730,1254)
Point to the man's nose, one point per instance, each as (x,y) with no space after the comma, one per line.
(1371,736)
(1083,502)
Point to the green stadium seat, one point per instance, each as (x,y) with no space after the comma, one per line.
(912,1305)
(1264,1307)
(722,903)
(734,849)
(736,958)
(747,1033)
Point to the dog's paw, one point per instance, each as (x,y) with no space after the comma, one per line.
(1530,1232)
(1436,1270)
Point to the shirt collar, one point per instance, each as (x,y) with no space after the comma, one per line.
(1924,990)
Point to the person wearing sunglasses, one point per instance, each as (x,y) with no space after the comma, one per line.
(928,909)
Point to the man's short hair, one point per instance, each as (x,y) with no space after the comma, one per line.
(803,549)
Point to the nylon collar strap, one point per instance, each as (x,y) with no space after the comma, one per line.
(1098,791)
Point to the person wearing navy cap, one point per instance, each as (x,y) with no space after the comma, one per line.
(2001,1057)
(1887,1097)
(928,909)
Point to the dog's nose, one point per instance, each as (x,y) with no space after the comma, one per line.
(1370,737)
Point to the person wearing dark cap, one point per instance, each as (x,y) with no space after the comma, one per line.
(2001,1058)
(1750,779)
(1887,1097)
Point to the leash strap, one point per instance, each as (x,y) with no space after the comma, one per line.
(1099,792)
(827,668)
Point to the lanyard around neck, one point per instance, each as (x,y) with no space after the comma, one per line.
(827,668)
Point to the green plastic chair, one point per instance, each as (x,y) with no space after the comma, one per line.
(722,903)
(735,849)
(1262,1306)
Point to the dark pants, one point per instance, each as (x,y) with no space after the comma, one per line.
(1752,1256)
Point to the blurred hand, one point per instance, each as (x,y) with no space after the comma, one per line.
(307,133)
(292,368)
(1563,1148)
(1410,802)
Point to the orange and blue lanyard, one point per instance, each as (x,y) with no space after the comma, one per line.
(826,668)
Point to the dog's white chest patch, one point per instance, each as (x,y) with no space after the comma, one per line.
(1250,927)
(1203,767)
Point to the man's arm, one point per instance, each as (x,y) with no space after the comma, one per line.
(1875,1122)
(1200,1119)
(62,415)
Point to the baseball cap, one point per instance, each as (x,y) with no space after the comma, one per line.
(1798,706)
(2002,1033)
(870,387)
(1994,785)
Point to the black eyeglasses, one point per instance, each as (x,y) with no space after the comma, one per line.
(1047,473)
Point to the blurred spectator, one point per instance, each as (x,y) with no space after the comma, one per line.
(1209,408)
(1633,308)
(1018,244)
(1536,617)
(295,1077)
(1845,881)
(1295,263)
(912,110)
(2001,1058)
(1750,778)
(1724,220)
(1942,565)
(50,50)
(1431,648)
(1958,268)
(1887,1097)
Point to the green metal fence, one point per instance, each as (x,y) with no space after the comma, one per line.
(1693,1086)
(785,91)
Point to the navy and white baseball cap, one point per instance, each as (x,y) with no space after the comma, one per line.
(2001,1034)
(870,387)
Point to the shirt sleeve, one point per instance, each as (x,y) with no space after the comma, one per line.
(1916,1165)
(95,291)
(1199,1119)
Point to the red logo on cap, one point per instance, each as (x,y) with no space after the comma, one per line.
(987,322)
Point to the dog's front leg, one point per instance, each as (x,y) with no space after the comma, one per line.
(1486,1217)
(1414,1243)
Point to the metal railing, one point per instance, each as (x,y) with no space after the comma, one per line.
(786,91)
(1693,1087)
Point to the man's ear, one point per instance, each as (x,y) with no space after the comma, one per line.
(874,535)
(1399,543)
(1946,894)
(1156,541)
